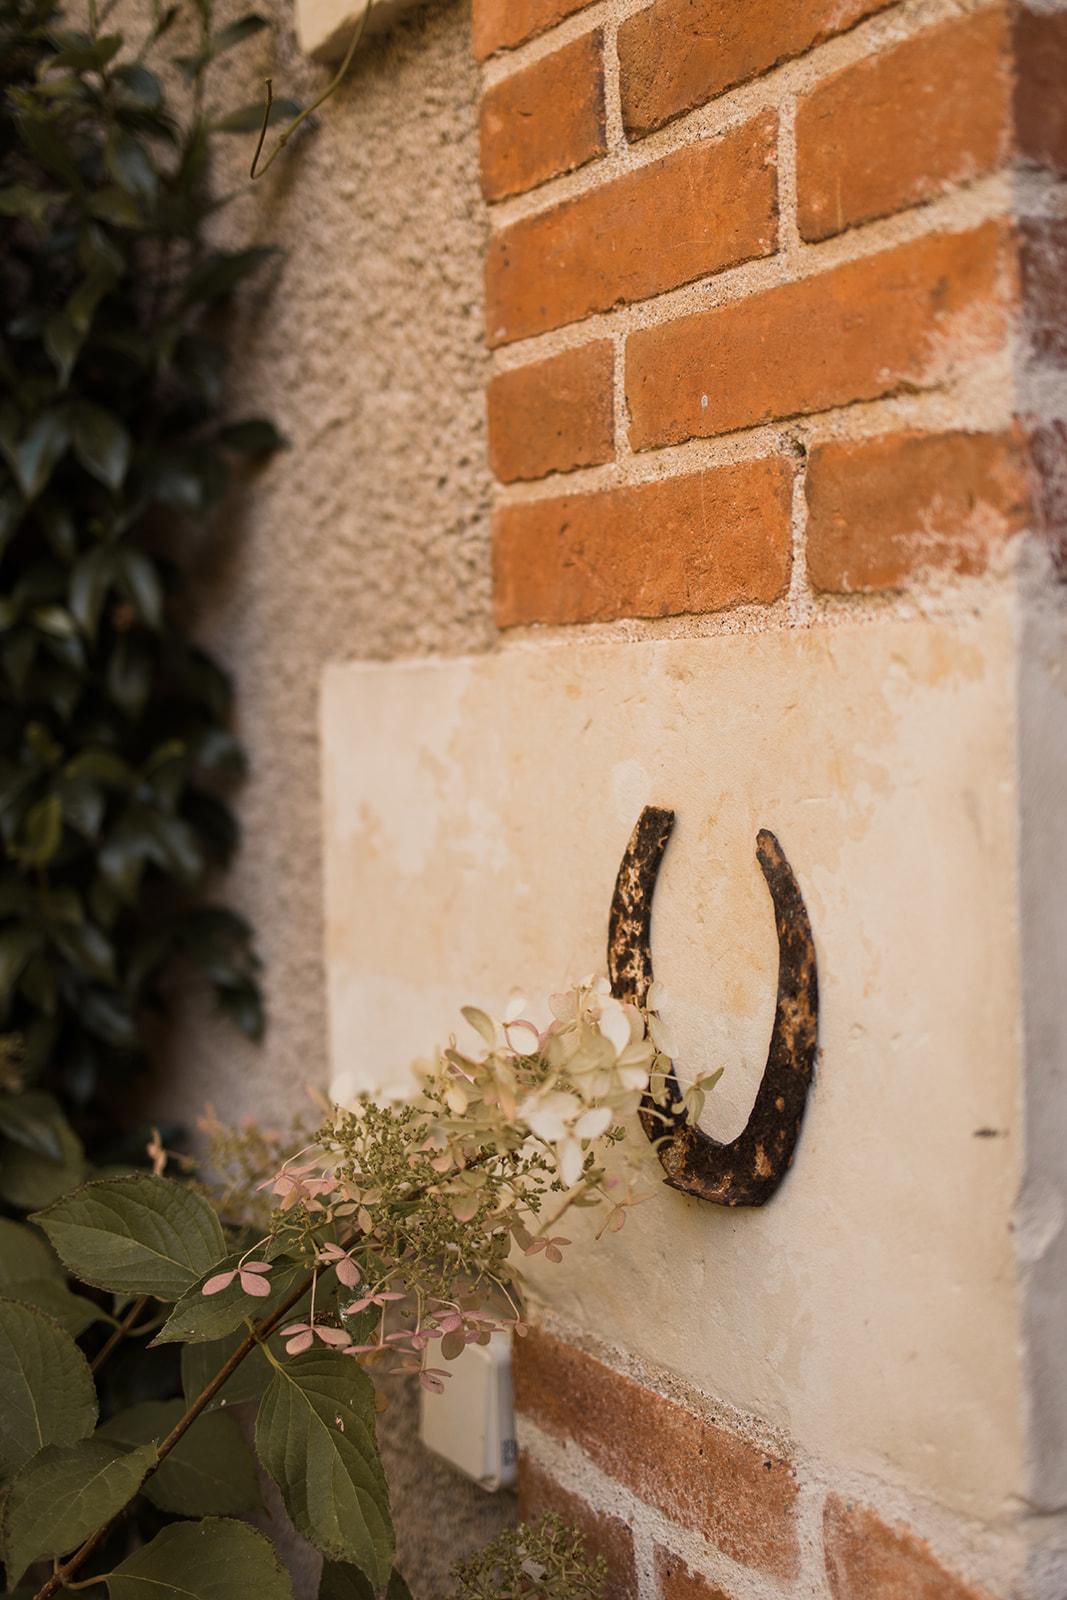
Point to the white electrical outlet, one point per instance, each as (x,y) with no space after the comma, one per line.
(471,1424)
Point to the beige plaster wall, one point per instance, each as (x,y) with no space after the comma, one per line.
(872,1311)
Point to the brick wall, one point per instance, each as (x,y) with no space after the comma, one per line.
(775,291)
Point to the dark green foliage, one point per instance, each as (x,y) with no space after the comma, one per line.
(115,748)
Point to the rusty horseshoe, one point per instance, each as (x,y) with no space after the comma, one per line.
(748,1170)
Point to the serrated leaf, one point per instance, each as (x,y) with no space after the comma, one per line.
(135,1235)
(315,1436)
(200,1362)
(24,1255)
(199,1318)
(46,1389)
(63,1494)
(73,1312)
(215,1559)
(340,1582)
(101,443)
(210,1470)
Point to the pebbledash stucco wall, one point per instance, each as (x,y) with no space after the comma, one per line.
(369,538)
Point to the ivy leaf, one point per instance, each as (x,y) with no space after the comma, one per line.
(200,1362)
(345,1583)
(140,579)
(215,1559)
(63,1494)
(43,832)
(135,1235)
(63,342)
(210,1470)
(256,436)
(315,1436)
(101,443)
(28,1180)
(220,273)
(46,1388)
(38,452)
(128,163)
(232,34)
(89,583)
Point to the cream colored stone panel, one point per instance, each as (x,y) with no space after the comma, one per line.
(476,813)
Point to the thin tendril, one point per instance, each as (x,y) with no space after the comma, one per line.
(257,171)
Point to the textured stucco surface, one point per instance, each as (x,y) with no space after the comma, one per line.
(368,538)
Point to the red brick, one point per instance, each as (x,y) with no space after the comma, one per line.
(868,1560)
(677,54)
(502,24)
(607,1536)
(553,416)
(706,207)
(901,127)
(904,319)
(1041,86)
(676,1582)
(740,1498)
(881,510)
(545,120)
(701,543)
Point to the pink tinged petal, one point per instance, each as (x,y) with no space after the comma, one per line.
(302,1342)
(295,1327)
(335,1336)
(219,1282)
(252,1283)
(257,1266)
(348,1273)
(430,1381)
(388,1294)
(356,1306)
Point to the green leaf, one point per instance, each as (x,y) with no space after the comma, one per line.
(101,444)
(135,1235)
(39,450)
(140,580)
(220,273)
(29,1179)
(210,1470)
(46,1388)
(215,1559)
(73,1312)
(256,436)
(200,1362)
(24,1255)
(63,1494)
(198,1318)
(129,165)
(63,341)
(345,1583)
(43,832)
(249,118)
(31,1119)
(24,200)
(89,583)
(17,945)
(232,34)
(315,1436)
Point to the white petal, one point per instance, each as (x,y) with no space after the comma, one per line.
(661,1036)
(515,1007)
(614,1024)
(593,1123)
(481,1022)
(570,1158)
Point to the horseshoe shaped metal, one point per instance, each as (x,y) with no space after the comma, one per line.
(748,1170)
